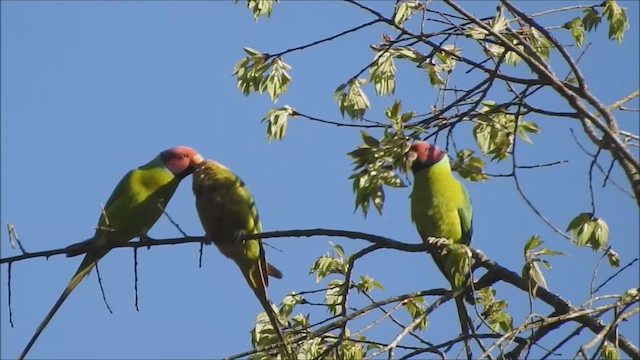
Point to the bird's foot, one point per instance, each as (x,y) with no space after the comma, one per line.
(144,239)
(207,240)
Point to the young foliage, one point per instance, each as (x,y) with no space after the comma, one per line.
(416,308)
(531,271)
(353,101)
(609,352)
(382,72)
(588,230)
(329,263)
(468,166)
(263,334)
(375,162)
(576,26)
(495,127)
(260,7)
(288,303)
(617,19)
(276,120)
(258,72)
(591,19)
(334,295)
(494,310)
(404,10)
(367,283)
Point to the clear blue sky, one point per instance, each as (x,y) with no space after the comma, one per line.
(93,89)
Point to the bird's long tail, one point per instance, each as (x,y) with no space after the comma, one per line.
(83,270)
(257,276)
(463,316)
(79,248)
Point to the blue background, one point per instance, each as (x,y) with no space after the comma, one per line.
(93,89)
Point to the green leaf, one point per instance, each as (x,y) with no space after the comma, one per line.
(288,303)
(591,19)
(353,101)
(434,78)
(405,10)
(547,251)
(609,352)
(375,162)
(406,52)
(338,249)
(369,140)
(494,130)
(617,19)
(382,72)
(525,127)
(415,307)
(468,166)
(326,265)
(577,30)
(249,71)
(260,7)
(499,22)
(475,32)
(588,230)
(493,310)
(278,80)
(613,257)
(277,119)
(457,264)
(531,272)
(578,221)
(367,283)
(540,43)
(600,235)
(532,243)
(333,296)
(512,58)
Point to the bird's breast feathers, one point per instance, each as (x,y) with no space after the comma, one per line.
(435,200)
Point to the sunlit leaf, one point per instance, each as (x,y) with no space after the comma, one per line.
(617,19)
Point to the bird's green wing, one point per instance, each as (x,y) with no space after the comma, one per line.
(466,217)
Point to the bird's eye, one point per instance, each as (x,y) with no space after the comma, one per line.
(184,155)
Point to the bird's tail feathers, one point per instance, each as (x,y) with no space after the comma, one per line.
(257,276)
(78,248)
(273,271)
(463,316)
(83,270)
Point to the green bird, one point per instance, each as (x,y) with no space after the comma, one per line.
(227,211)
(134,206)
(441,208)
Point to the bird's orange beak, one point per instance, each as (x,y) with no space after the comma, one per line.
(411,156)
(197,159)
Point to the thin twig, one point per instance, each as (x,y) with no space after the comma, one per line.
(614,275)
(14,239)
(104,296)
(135,276)
(9,295)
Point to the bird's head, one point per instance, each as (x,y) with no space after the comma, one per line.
(181,160)
(421,154)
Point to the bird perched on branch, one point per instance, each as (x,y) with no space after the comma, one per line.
(441,208)
(134,206)
(227,212)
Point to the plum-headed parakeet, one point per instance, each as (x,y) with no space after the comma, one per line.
(134,206)
(441,208)
(227,211)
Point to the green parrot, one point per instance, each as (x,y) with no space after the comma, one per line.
(227,211)
(133,207)
(441,208)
